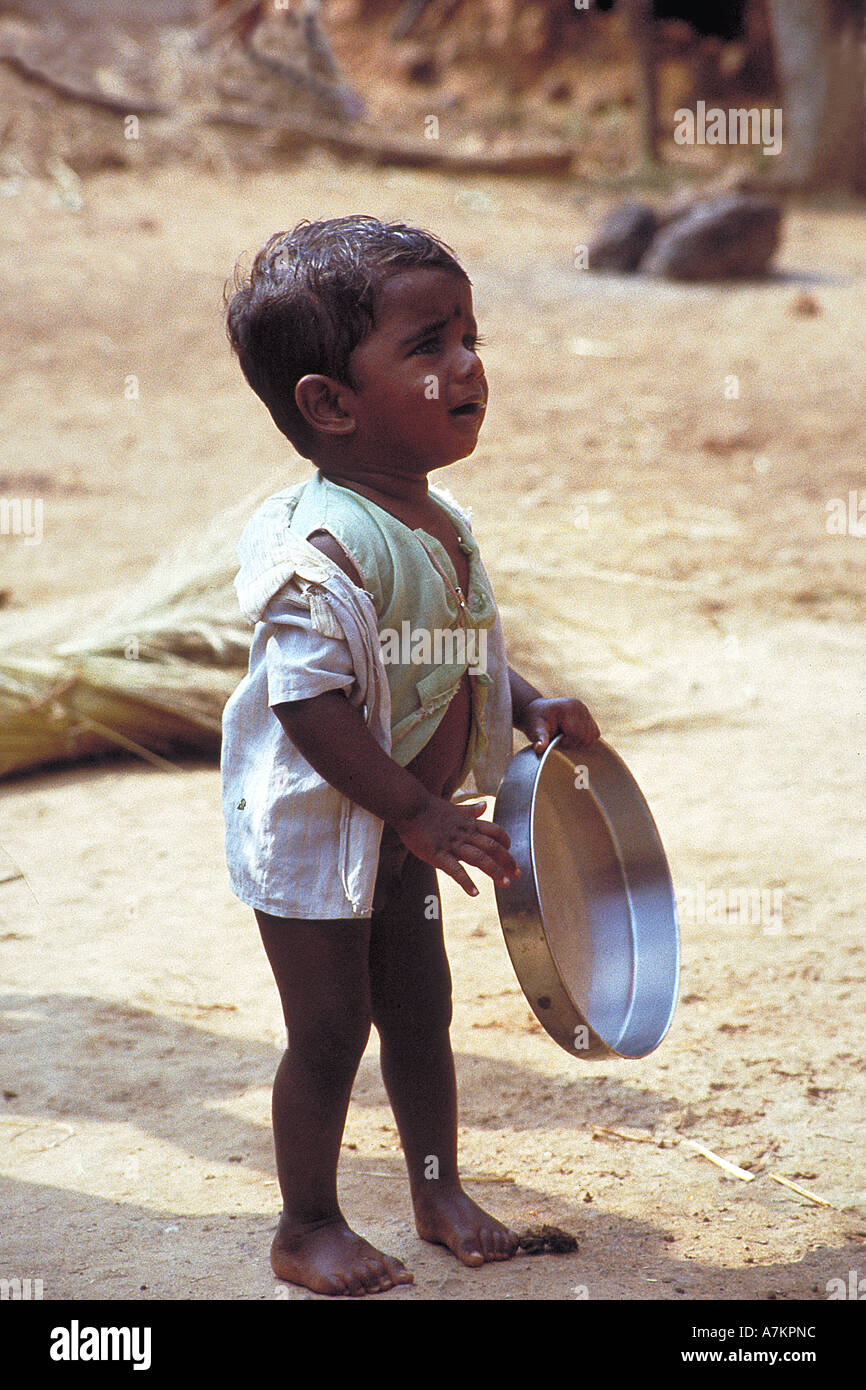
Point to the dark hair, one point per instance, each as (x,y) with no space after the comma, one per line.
(309,299)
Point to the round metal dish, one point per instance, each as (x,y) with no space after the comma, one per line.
(590,923)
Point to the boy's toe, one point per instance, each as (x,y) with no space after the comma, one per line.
(469,1252)
(507,1243)
(379,1279)
(398,1273)
(488,1243)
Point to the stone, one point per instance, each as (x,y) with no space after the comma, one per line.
(729,237)
(624,238)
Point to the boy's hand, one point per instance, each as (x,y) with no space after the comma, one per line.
(542,720)
(443,834)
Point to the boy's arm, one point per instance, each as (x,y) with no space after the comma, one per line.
(333,737)
(522,694)
(541,719)
(331,734)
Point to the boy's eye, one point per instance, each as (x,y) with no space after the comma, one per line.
(432,345)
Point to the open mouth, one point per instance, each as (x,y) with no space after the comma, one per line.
(468,408)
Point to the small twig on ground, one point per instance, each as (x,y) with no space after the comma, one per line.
(723,1163)
(786,1182)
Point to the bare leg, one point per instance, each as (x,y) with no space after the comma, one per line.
(321,972)
(410,990)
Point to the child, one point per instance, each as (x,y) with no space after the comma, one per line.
(341,749)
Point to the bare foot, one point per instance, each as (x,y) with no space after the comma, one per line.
(331,1258)
(446,1216)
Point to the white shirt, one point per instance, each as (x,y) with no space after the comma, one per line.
(295,846)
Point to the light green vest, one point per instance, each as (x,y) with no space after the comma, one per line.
(430,633)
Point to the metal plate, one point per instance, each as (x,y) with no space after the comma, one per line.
(590,923)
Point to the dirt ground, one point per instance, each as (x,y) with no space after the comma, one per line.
(650,493)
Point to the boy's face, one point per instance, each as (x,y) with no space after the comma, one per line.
(419,390)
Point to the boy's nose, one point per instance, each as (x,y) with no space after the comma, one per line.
(468,363)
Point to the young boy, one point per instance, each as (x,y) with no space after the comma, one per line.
(341,750)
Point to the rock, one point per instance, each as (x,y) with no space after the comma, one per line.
(805,304)
(722,238)
(624,238)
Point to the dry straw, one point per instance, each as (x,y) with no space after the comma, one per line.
(149,674)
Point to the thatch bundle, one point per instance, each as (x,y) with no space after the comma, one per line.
(150,675)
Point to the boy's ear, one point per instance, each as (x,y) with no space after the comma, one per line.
(325,404)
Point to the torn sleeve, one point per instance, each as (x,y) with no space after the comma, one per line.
(301,660)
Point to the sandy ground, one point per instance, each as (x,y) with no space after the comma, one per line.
(650,494)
